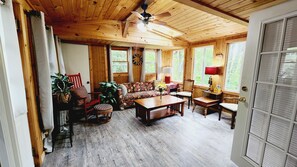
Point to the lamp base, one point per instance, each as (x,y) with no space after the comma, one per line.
(167,79)
(210,88)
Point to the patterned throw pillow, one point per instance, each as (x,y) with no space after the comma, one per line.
(129,87)
(136,86)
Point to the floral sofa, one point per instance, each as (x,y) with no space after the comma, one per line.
(137,90)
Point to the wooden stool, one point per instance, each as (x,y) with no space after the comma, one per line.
(103,109)
(204,102)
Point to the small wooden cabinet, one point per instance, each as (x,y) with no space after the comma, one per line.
(212,95)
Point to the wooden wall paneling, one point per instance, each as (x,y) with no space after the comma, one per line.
(189,58)
(150,77)
(98,65)
(120,78)
(137,68)
(35,131)
(167,58)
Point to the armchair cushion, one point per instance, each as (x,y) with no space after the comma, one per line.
(230,106)
(185,94)
(81,95)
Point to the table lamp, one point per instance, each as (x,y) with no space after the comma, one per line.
(167,73)
(211,71)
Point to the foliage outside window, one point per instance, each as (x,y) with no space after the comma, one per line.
(119,60)
(150,61)
(234,66)
(178,60)
(203,57)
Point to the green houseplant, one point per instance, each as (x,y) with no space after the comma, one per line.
(61,87)
(108,92)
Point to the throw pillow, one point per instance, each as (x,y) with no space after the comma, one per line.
(79,94)
(124,89)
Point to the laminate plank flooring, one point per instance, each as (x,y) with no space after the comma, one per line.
(187,141)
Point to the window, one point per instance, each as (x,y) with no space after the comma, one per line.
(150,61)
(178,60)
(234,66)
(119,60)
(203,57)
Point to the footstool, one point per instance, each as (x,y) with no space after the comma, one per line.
(103,109)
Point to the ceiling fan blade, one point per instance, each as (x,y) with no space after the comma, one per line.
(161,15)
(137,14)
(148,2)
(159,22)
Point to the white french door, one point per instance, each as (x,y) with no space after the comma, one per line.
(266,127)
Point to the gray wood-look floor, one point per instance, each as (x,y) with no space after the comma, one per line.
(191,140)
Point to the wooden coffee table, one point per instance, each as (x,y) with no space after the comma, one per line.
(153,108)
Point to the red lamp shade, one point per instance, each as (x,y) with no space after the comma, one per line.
(211,70)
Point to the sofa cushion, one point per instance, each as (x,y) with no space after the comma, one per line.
(81,93)
(149,86)
(129,87)
(143,94)
(137,86)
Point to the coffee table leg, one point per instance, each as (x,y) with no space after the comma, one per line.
(137,110)
(148,119)
(182,109)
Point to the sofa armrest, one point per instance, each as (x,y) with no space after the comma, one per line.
(120,98)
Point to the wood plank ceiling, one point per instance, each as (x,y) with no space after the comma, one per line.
(103,21)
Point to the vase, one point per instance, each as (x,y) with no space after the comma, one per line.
(161,92)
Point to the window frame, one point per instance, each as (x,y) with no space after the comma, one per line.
(183,78)
(203,70)
(155,51)
(225,66)
(120,49)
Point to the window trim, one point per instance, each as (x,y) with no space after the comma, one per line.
(226,63)
(121,49)
(194,59)
(184,65)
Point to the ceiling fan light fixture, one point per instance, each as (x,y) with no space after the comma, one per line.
(141,26)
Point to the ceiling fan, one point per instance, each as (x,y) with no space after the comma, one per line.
(145,18)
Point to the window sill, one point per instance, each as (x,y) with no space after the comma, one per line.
(231,93)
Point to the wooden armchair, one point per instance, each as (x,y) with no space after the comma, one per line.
(229,104)
(82,100)
(187,90)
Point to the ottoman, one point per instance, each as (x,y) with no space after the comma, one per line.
(105,110)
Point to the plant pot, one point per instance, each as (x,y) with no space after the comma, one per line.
(63,98)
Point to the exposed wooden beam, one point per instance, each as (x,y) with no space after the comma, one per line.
(88,22)
(125,29)
(214,11)
(114,33)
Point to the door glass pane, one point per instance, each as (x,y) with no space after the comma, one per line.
(284,101)
(291,162)
(267,67)
(290,42)
(254,149)
(272,36)
(278,132)
(288,69)
(263,97)
(272,157)
(259,124)
(293,143)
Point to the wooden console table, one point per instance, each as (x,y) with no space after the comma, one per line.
(209,99)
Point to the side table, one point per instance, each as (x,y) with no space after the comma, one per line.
(209,99)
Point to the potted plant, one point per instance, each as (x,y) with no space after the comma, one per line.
(108,92)
(61,87)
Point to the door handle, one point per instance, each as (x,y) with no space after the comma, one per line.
(242,99)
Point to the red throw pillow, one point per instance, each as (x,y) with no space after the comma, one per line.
(79,94)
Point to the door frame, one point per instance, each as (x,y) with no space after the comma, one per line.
(7,120)
(255,32)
